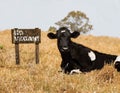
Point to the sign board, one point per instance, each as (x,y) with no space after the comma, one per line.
(26,36)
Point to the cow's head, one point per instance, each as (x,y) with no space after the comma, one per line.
(63,36)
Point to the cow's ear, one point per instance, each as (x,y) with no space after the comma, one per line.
(75,34)
(51,35)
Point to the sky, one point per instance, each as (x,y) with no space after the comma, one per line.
(104,15)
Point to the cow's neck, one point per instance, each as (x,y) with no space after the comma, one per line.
(65,55)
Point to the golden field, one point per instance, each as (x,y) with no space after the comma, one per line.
(44,77)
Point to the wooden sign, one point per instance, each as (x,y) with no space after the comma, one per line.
(26,36)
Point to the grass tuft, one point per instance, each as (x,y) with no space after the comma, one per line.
(1,46)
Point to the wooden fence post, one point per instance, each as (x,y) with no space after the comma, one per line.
(37,52)
(17,56)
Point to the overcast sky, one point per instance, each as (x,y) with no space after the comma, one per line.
(104,14)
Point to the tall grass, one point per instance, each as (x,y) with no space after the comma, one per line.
(45,78)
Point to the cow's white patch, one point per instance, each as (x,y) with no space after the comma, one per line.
(117,59)
(62,31)
(77,71)
(92,55)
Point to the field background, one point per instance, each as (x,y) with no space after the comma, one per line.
(45,78)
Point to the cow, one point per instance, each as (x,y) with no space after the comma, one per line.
(77,58)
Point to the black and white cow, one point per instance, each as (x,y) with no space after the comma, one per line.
(78,58)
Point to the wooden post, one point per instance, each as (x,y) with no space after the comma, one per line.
(37,52)
(17,56)
(37,46)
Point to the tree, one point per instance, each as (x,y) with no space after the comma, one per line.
(76,21)
(52,29)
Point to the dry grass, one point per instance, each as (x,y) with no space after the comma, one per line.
(45,78)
